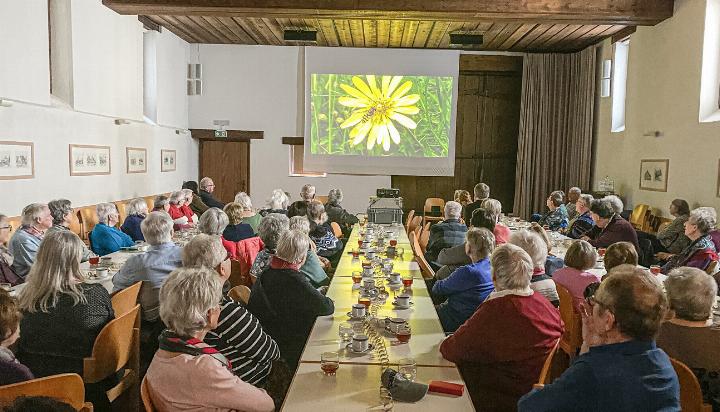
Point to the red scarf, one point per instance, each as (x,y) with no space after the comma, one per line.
(277,263)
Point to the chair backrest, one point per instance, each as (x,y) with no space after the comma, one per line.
(712,267)
(572,337)
(236,275)
(414,245)
(337,231)
(545,377)
(240,293)
(88,220)
(691,397)
(66,387)
(125,300)
(122,210)
(415,224)
(150,201)
(408,220)
(15,222)
(639,215)
(322,199)
(145,395)
(433,201)
(112,349)
(425,269)
(663,225)
(424,237)
(76,224)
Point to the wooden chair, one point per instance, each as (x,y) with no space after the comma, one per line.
(337,231)
(240,293)
(408,220)
(15,222)
(125,300)
(118,347)
(322,199)
(663,225)
(712,268)
(65,387)
(236,277)
(122,210)
(414,245)
(76,224)
(425,269)
(429,203)
(545,372)
(88,220)
(150,201)
(145,395)
(691,398)
(639,216)
(571,340)
(424,237)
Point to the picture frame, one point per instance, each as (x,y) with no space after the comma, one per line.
(136,159)
(168,160)
(17,160)
(654,174)
(89,160)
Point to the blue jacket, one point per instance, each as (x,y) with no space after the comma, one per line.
(106,240)
(466,288)
(131,226)
(23,247)
(630,376)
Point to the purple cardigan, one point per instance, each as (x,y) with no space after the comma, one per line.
(617,230)
(12,371)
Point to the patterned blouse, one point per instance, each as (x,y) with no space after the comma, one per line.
(556,219)
(698,254)
(673,237)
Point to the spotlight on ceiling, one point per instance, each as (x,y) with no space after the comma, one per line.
(466,39)
(298,34)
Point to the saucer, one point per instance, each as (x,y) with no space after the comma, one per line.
(350,348)
(402,307)
(350,315)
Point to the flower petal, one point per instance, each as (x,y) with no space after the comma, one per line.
(354,92)
(394,134)
(373,86)
(404,120)
(406,110)
(354,119)
(385,85)
(384,137)
(372,138)
(386,143)
(350,102)
(360,85)
(408,100)
(401,90)
(393,84)
(359,132)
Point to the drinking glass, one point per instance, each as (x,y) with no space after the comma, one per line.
(356,277)
(407,281)
(329,363)
(345,330)
(403,334)
(408,368)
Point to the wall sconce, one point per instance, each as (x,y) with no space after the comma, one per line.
(121,121)
(5,103)
(181,131)
(653,133)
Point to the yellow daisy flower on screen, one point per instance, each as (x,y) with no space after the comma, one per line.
(375,110)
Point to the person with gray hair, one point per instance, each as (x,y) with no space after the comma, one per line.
(481,191)
(185,206)
(327,244)
(446,234)
(572,197)
(537,248)
(177,202)
(152,267)
(161,203)
(468,286)
(313,266)
(24,244)
(583,222)
(277,203)
(137,210)
(701,250)
(504,344)
(190,308)
(213,222)
(249,215)
(105,238)
(616,203)
(610,227)
(494,210)
(557,216)
(271,227)
(63,217)
(207,187)
(7,273)
(285,301)
(336,213)
(197,206)
(307,193)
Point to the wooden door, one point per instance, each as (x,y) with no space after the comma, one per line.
(488,119)
(228,164)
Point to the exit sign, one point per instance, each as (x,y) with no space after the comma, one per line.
(220,133)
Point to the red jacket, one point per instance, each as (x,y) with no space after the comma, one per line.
(231,248)
(186,211)
(175,212)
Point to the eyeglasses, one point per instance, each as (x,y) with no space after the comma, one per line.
(6,227)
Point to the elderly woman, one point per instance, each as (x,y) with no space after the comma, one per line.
(468,286)
(177,201)
(152,267)
(238,334)
(701,250)
(616,203)
(187,373)
(285,301)
(321,233)
(197,206)
(63,217)
(690,335)
(620,253)
(557,217)
(276,203)
(583,222)
(610,227)
(619,367)
(454,257)
(236,229)
(313,267)
(307,193)
(672,239)
(105,238)
(579,258)
(501,232)
(270,229)
(446,234)
(136,211)
(185,208)
(249,215)
(502,347)
(213,222)
(11,371)
(24,244)
(7,273)
(537,249)
(571,206)
(161,203)
(552,262)
(336,213)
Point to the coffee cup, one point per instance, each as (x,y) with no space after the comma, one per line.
(391,251)
(365,244)
(101,272)
(360,343)
(359,310)
(402,300)
(369,283)
(370,254)
(395,277)
(367,272)
(394,324)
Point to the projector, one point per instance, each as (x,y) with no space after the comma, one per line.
(388,193)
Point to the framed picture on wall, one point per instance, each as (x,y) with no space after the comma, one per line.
(654,174)
(136,158)
(168,158)
(17,160)
(87,160)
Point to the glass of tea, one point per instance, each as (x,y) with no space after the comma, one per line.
(393,242)
(329,363)
(365,301)
(407,281)
(356,276)
(655,269)
(355,253)
(403,334)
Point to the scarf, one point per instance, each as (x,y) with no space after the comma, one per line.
(702,243)
(277,263)
(33,232)
(172,342)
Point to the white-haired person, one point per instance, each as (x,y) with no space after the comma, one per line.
(552,262)
(236,229)
(177,202)
(620,368)
(105,238)
(196,204)
(63,217)
(238,335)
(137,211)
(161,203)
(501,349)
(557,216)
(537,249)
(446,234)
(579,258)
(277,203)
(285,301)
(501,232)
(327,244)
(213,222)
(185,207)
(314,265)
(583,222)
(616,203)
(481,191)
(701,250)
(187,373)
(610,227)
(271,227)
(207,187)
(468,286)
(336,213)
(307,193)
(249,215)
(24,244)
(573,195)
(690,335)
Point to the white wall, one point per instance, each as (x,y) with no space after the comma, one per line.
(663,89)
(172,99)
(258,88)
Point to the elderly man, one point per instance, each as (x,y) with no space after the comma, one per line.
(616,203)
(307,193)
(610,227)
(207,187)
(572,197)
(448,233)
(481,192)
(62,214)
(24,245)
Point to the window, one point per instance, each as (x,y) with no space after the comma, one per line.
(606,79)
(710,75)
(619,85)
(150,76)
(60,38)
(297,152)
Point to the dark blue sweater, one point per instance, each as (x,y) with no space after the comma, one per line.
(131,227)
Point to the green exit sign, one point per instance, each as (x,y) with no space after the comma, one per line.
(220,133)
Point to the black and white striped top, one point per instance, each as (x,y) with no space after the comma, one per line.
(242,340)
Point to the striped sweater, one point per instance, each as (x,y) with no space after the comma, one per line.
(242,340)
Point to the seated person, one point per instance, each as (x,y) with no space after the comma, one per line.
(152,267)
(610,227)
(501,349)
(197,206)
(187,373)
(620,253)
(557,217)
(136,211)
(207,187)
(572,197)
(321,233)
(63,217)
(481,191)
(271,227)
(185,207)
(177,201)
(501,232)
(701,250)
(276,203)
(468,286)
(7,274)
(619,367)
(11,371)
(454,257)
(285,302)
(313,268)
(24,244)
(238,334)
(583,221)
(552,262)
(105,238)
(616,203)
(299,208)
(446,234)
(213,222)
(672,239)
(336,213)
(249,215)
(537,249)
(236,230)
(161,203)
(307,193)
(579,258)
(463,197)
(690,335)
